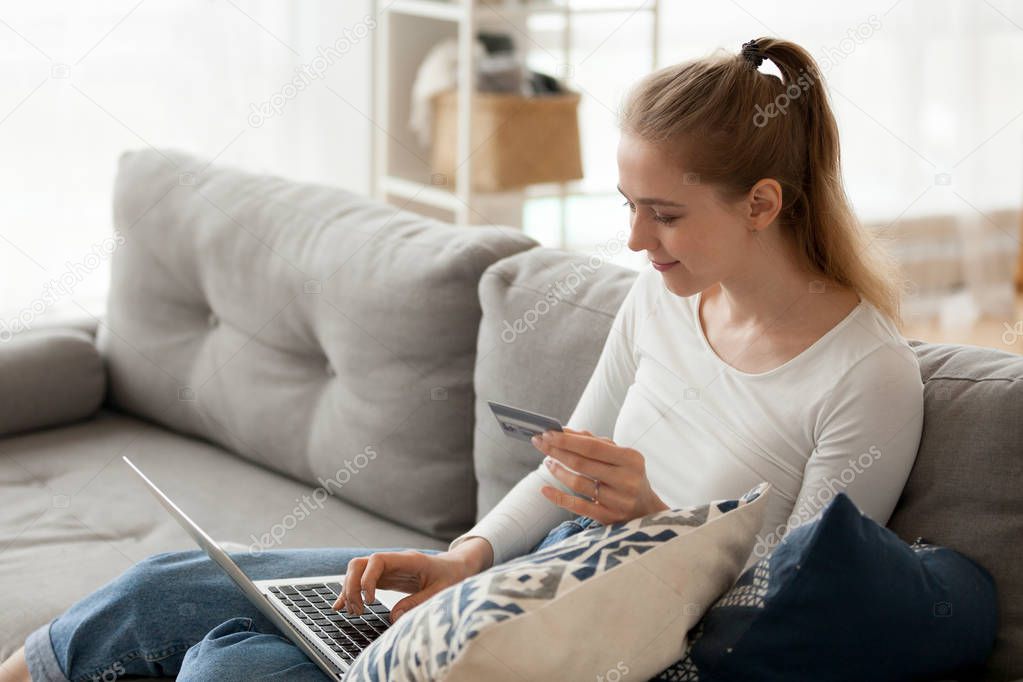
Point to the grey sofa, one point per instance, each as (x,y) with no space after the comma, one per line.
(300,366)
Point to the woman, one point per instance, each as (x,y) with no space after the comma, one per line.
(761,345)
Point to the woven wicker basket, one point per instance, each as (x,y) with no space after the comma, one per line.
(516,140)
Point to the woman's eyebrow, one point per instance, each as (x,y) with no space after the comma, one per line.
(652,200)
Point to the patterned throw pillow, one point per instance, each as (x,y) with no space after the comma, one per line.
(609,601)
(843,599)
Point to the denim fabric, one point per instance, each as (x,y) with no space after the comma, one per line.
(565,529)
(179,614)
(220,654)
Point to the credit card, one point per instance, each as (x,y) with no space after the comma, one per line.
(522,424)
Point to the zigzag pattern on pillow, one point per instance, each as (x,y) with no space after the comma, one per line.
(425,646)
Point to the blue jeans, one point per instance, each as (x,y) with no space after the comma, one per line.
(178,614)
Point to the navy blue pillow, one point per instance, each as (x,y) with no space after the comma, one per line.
(843,598)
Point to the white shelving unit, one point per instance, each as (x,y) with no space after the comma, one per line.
(407,30)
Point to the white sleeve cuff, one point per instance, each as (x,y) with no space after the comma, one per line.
(521,519)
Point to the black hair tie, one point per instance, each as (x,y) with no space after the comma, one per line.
(751,53)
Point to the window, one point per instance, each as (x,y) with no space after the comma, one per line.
(924,92)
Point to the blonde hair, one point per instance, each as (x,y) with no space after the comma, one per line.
(735,125)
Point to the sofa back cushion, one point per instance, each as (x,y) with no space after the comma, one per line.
(546,314)
(48,377)
(317,332)
(965,488)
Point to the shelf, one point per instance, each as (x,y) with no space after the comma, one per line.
(549,8)
(442,197)
(428,9)
(450,11)
(420,192)
(408,30)
(572,188)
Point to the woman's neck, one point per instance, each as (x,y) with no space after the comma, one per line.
(772,285)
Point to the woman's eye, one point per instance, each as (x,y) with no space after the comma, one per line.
(663,219)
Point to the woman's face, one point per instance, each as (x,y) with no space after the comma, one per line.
(677,220)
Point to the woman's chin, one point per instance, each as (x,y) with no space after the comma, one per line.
(678,285)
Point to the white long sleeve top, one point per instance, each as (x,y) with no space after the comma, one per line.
(844,415)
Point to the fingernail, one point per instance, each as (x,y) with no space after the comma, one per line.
(549,462)
(535,440)
(546,435)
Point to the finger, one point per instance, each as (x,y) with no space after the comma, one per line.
(411,601)
(374,568)
(402,607)
(583,465)
(541,440)
(392,571)
(582,483)
(588,433)
(353,585)
(617,503)
(598,512)
(587,446)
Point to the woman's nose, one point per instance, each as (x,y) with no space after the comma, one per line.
(640,238)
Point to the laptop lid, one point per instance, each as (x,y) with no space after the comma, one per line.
(222,559)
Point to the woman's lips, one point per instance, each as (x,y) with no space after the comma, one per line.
(663,266)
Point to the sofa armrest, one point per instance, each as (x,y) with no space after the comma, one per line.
(49,377)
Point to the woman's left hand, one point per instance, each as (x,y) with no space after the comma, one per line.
(625,491)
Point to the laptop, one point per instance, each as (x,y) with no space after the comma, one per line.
(299,607)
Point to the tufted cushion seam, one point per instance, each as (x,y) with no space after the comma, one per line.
(312,379)
(975,380)
(320,222)
(514,285)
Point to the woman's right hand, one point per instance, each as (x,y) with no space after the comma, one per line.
(417,573)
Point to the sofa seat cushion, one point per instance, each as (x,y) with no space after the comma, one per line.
(74,516)
(304,327)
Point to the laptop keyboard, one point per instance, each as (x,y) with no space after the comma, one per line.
(342,632)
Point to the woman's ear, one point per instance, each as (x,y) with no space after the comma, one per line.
(765,201)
